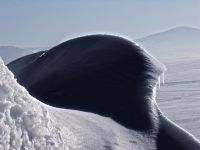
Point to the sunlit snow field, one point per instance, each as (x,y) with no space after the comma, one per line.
(179,97)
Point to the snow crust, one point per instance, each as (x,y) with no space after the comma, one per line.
(28,124)
(24,122)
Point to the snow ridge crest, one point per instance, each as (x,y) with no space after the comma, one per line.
(24,121)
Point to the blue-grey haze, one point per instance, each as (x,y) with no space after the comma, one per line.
(29,23)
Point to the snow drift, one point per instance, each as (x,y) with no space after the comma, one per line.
(24,121)
(131,121)
(28,124)
(103,74)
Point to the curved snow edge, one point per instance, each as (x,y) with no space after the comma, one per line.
(24,121)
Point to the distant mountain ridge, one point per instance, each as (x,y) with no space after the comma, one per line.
(179,42)
(176,43)
(10,53)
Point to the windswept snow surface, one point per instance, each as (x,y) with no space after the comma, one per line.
(28,124)
(179,97)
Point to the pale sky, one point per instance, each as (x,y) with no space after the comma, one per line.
(32,23)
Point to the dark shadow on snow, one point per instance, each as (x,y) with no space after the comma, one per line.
(103,74)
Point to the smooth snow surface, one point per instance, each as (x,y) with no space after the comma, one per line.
(179,97)
(27,124)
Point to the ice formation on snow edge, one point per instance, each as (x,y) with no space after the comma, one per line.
(24,121)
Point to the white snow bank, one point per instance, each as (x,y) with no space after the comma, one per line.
(24,122)
(28,124)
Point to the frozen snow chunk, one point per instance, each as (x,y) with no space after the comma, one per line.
(24,121)
(4,91)
(4,106)
(5,136)
(16,111)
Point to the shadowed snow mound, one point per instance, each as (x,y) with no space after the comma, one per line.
(109,76)
(103,74)
(28,124)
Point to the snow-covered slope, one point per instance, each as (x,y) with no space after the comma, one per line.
(26,123)
(43,125)
(179,97)
(179,42)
